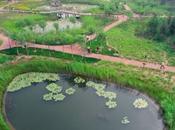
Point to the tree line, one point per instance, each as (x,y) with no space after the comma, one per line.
(160,29)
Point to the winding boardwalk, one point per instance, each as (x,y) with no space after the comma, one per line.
(77,50)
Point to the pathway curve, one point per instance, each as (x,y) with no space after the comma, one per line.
(77,50)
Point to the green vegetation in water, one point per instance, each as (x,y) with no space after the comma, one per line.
(16,29)
(54,88)
(100,91)
(79,80)
(70,91)
(59,97)
(125,120)
(48,96)
(54,93)
(25,80)
(140,103)
(111,104)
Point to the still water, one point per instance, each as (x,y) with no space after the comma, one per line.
(26,110)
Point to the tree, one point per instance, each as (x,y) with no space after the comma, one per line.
(56,26)
(42,24)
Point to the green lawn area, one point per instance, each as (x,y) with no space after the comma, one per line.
(5,58)
(123,39)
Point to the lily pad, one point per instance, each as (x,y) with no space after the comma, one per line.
(47,97)
(26,80)
(111,104)
(79,80)
(59,97)
(125,120)
(140,103)
(54,88)
(70,91)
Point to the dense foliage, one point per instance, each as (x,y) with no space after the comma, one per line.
(160,29)
(149,7)
(26,80)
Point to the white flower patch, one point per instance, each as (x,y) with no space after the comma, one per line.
(140,103)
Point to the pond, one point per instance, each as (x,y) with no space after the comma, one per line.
(63,24)
(84,110)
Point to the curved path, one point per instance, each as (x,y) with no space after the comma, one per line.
(77,50)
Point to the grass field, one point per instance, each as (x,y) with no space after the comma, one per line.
(5,58)
(123,39)
(28,4)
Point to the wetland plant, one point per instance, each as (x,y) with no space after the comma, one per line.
(140,103)
(47,97)
(79,80)
(111,104)
(26,80)
(70,91)
(125,120)
(59,97)
(54,88)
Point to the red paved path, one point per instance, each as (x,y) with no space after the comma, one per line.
(76,49)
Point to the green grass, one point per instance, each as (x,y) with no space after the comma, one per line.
(28,4)
(47,53)
(1,42)
(155,84)
(123,39)
(5,58)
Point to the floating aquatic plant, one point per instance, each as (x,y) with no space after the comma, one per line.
(110,95)
(96,86)
(140,103)
(125,120)
(100,93)
(70,91)
(47,97)
(25,80)
(79,80)
(59,97)
(111,104)
(54,88)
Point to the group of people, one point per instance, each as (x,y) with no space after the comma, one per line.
(162,66)
(89,49)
